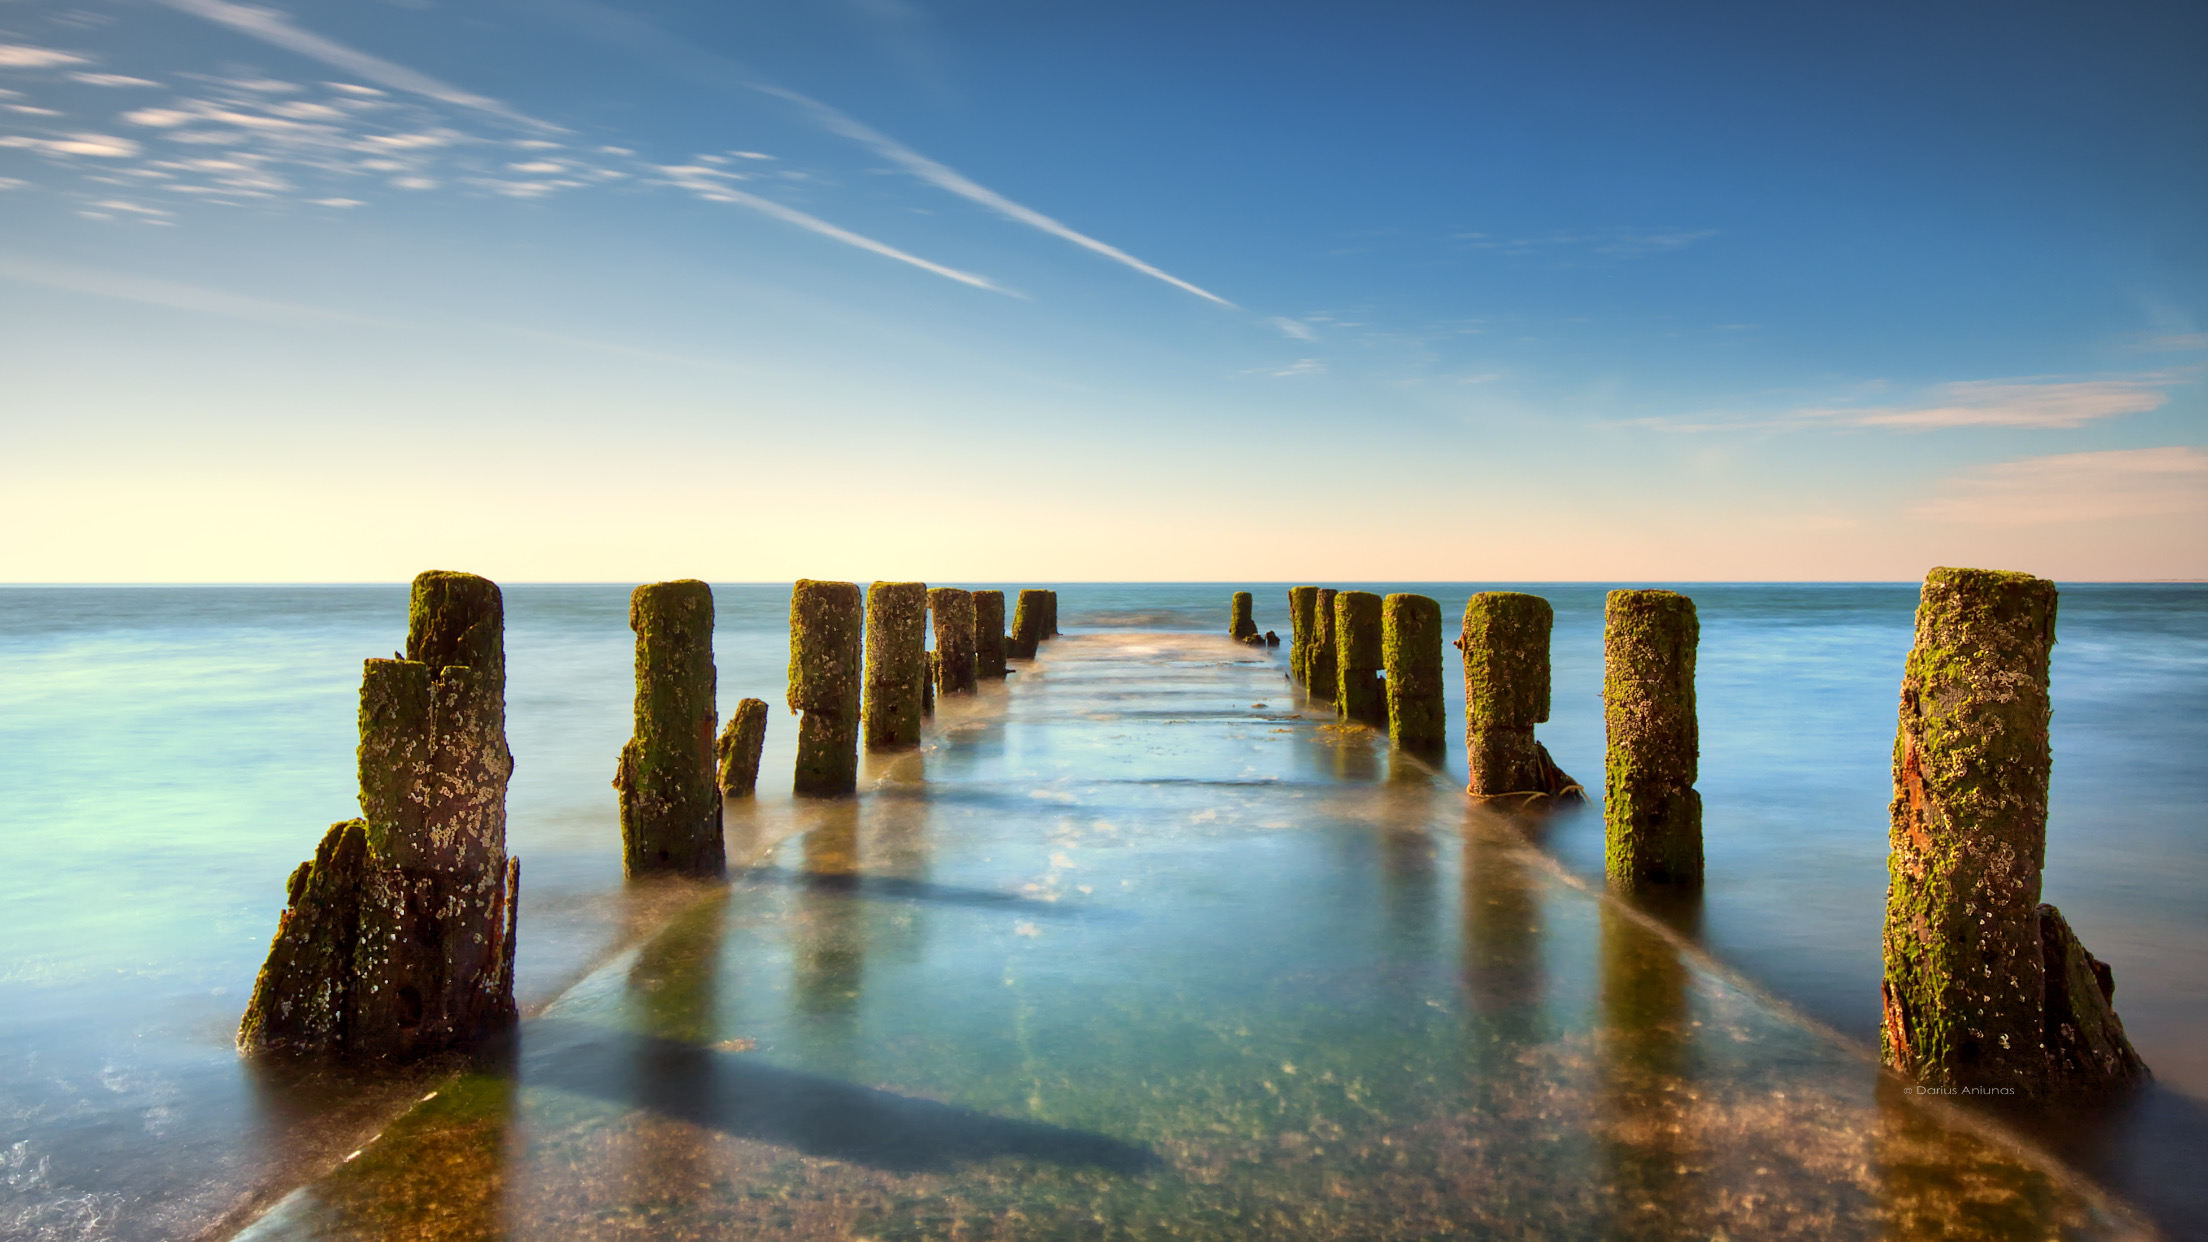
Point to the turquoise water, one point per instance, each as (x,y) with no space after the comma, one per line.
(168,754)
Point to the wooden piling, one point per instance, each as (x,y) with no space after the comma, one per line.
(670,790)
(896,663)
(1320,662)
(1303,605)
(1242,628)
(953,609)
(826,658)
(1652,816)
(1505,642)
(1359,695)
(1028,623)
(1410,643)
(738,748)
(989,636)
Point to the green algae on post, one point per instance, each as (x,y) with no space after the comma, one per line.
(1359,695)
(1319,661)
(1410,641)
(1505,643)
(989,635)
(1303,604)
(826,656)
(737,750)
(1652,816)
(954,639)
(1241,628)
(1027,624)
(1967,998)
(896,663)
(397,939)
(670,789)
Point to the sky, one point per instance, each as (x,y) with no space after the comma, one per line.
(572,290)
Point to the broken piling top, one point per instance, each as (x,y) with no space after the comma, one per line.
(954,638)
(989,635)
(1242,627)
(670,788)
(1505,641)
(826,662)
(896,663)
(737,749)
(1303,607)
(1965,985)
(1359,655)
(1652,816)
(1029,622)
(455,618)
(1410,644)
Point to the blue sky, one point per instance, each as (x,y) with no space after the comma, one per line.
(858,288)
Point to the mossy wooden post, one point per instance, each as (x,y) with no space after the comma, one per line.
(1303,606)
(989,635)
(1359,695)
(1320,661)
(1652,816)
(397,938)
(1410,644)
(1027,624)
(896,663)
(670,788)
(826,658)
(1505,642)
(1241,628)
(954,639)
(1050,614)
(737,750)
(1967,998)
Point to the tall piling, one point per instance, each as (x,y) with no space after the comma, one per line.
(397,936)
(1652,816)
(826,660)
(1321,662)
(1303,606)
(670,789)
(896,663)
(1241,627)
(1028,623)
(738,748)
(1050,614)
(1410,646)
(953,609)
(989,636)
(1984,986)
(1505,642)
(1359,694)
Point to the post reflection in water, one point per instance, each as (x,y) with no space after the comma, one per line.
(1648,1081)
(673,1003)
(1501,960)
(1407,861)
(828,949)
(1938,1181)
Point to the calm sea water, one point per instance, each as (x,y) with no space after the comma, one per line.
(167,755)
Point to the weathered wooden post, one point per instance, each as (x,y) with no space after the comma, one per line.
(1050,614)
(1320,662)
(826,656)
(1358,693)
(954,639)
(1985,987)
(739,747)
(1303,606)
(1410,643)
(670,791)
(1652,816)
(896,663)
(1027,623)
(1506,693)
(989,635)
(398,936)
(1242,629)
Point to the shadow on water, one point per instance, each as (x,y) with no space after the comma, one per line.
(898,888)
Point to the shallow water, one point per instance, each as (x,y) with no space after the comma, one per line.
(943,1023)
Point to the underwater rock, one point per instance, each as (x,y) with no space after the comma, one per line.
(1985,988)
(397,937)
(989,635)
(1359,695)
(826,658)
(670,789)
(1410,641)
(1320,657)
(1652,816)
(896,663)
(1505,644)
(738,749)
(1242,628)
(1027,624)
(954,639)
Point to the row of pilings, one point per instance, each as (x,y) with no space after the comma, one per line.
(1987,990)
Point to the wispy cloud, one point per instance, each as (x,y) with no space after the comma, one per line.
(943,177)
(21,56)
(1607,242)
(150,292)
(1293,327)
(2077,487)
(2175,343)
(2039,403)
